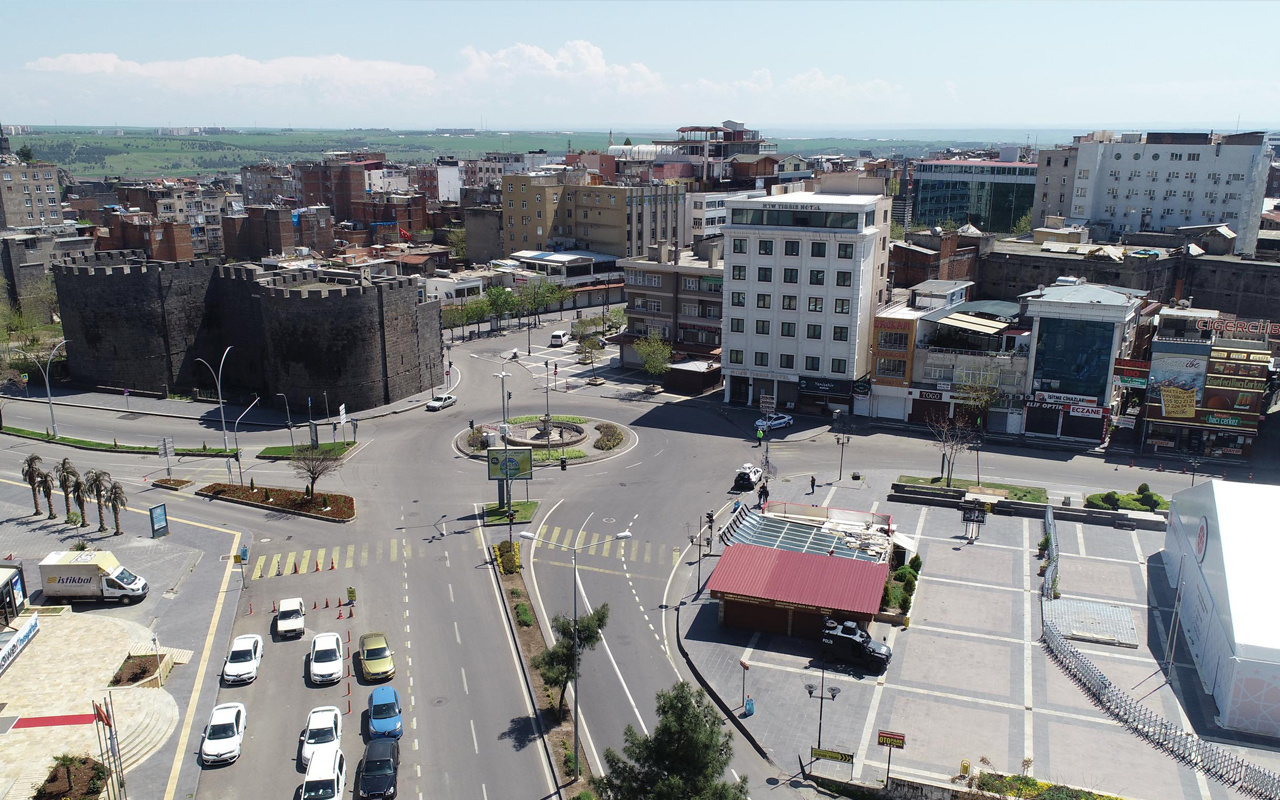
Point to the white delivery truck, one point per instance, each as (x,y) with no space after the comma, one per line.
(89,575)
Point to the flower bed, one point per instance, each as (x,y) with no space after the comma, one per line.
(171,483)
(87,778)
(325,505)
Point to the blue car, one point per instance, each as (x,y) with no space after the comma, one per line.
(384,714)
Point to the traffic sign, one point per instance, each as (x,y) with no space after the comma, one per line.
(892,739)
(342,413)
(768,404)
(975,515)
(510,463)
(831,755)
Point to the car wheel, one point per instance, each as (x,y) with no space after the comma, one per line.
(126,600)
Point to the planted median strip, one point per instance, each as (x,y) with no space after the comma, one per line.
(336,449)
(324,505)
(497,515)
(1013,491)
(114,447)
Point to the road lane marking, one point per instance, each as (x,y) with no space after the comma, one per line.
(257,567)
(648,552)
(457,634)
(351,554)
(408,551)
(586,568)
(275,565)
(1080,538)
(860,754)
(595,538)
(635,549)
(605,551)
(581,539)
(364,554)
(675,556)
(304,562)
(288,564)
(451,593)
(320,562)
(609,652)
(379,552)
(474,741)
(395,546)
(555,536)
(465,690)
(1030,647)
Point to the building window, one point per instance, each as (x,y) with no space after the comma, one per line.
(1193,156)
(786,361)
(735,356)
(812,363)
(737,325)
(739,272)
(844,251)
(818,249)
(766,247)
(739,245)
(839,333)
(891,368)
(892,340)
(790,275)
(842,305)
(764,274)
(690,284)
(788,330)
(762,359)
(790,248)
(788,302)
(839,366)
(813,332)
(844,278)
(815,304)
(817,277)
(762,327)
(869,219)
(738,299)
(764,300)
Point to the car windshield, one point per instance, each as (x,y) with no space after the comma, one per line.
(320,735)
(290,613)
(319,790)
(383,710)
(376,652)
(381,766)
(126,577)
(221,730)
(438,398)
(241,656)
(325,656)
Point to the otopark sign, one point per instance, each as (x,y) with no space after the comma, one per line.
(510,463)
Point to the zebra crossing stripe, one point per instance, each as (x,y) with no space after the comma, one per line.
(257,567)
(351,554)
(306,562)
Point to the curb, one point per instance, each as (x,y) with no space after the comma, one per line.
(119,450)
(267,507)
(460,447)
(129,410)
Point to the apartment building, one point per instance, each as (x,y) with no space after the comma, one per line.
(1131,182)
(550,210)
(183,200)
(705,149)
(705,212)
(263,184)
(338,180)
(30,194)
(805,272)
(676,294)
(992,195)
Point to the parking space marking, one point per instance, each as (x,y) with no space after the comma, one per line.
(351,554)
(257,567)
(970,634)
(920,529)
(973,584)
(872,712)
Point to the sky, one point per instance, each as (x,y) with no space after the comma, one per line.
(795,68)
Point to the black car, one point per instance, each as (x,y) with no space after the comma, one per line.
(378,772)
(845,641)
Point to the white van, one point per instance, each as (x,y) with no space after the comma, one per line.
(326,777)
(559,338)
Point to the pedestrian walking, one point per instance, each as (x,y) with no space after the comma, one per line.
(760,496)
(764,494)
(813,484)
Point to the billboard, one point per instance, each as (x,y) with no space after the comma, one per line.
(1177,384)
(510,463)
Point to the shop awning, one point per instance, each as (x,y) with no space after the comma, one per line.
(974,324)
(801,579)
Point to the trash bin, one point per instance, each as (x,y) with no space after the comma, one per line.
(750,707)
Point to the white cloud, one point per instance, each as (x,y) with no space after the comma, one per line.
(577,62)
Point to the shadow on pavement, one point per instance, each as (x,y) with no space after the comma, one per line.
(520,732)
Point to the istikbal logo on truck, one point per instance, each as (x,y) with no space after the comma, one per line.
(66,580)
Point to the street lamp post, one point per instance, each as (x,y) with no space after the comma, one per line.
(217,380)
(48,393)
(697,539)
(289,418)
(823,692)
(236,433)
(546,389)
(1194,462)
(533,537)
(332,427)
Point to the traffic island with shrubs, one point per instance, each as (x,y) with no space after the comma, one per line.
(320,505)
(1142,500)
(73,777)
(900,588)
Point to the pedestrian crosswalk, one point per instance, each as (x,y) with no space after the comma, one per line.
(603,545)
(339,557)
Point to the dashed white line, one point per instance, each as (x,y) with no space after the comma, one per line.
(407,644)
(484,792)
(474,741)
(446,559)
(418,769)
(457,634)
(406,597)
(451,593)
(406,628)
(414,722)
(410,681)
(415,744)
(465,690)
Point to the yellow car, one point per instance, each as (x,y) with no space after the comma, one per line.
(376,657)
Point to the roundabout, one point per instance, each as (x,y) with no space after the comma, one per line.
(578,440)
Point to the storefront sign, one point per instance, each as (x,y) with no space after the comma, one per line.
(1129,381)
(825,386)
(1241,355)
(893,324)
(1125,422)
(1161,443)
(1231,399)
(892,739)
(930,395)
(1177,403)
(1131,363)
(1086,411)
(1239,384)
(1066,399)
(1244,370)
(1239,325)
(1234,451)
(1179,371)
(1219,418)
(19,640)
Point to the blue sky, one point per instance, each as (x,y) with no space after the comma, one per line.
(795,68)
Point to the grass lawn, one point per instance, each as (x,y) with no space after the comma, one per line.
(1027,494)
(495,515)
(285,451)
(554,455)
(113,446)
(554,418)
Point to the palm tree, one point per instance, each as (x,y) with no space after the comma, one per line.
(80,494)
(66,474)
(45,482)
(97,481)
(66,761)
(30,474)
(117,499)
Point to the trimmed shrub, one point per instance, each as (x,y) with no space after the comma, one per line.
(904,605)
(1112,498)
(1144,489)
(515,593)
(475,439)
(904,573)
(524,617)
(1097,501)
(916,563)
(610,436)
(886,597)
(909,586)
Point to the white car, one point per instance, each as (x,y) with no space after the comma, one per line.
(291,617)
(775,421)
(325,665)
(323,732)
(441,402)
(224,735)
(243,660)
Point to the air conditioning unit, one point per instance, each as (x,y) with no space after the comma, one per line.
(1215,183)
(1191,180)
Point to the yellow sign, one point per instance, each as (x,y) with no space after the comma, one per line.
(830,755)
(1177,403)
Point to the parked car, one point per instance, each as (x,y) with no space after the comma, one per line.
(441,402)
(384,714)
(326,777)
(775,421)
(378,772)
(243,660)
(559,338)
(325,664)
(376,657)
(291,618)
(748,476)
(323,732)
(845,641)
(224,735)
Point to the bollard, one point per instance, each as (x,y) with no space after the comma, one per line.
(1160,468)
(348,694)
(295,569)
(273,606)
(348,636)
(1184,470)
(314,605)
(348,706)
(326,602)
(333,563)
(317,565)
(1131,463)
(251,609)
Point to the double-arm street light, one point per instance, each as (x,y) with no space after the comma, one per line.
(53,425)
(533,537)
(288,418)
(822,694)
(236,433)
(217,380)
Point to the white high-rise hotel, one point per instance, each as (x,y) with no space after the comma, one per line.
(804,273)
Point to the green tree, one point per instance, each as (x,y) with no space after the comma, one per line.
(1023,225)
(655,354)
(897,233)
(531,298)
(477,310)
(627,143)
(117,499)
(46,483)
(80,494)
(590,347)
(617,318)
(683,759)
(501,300)
(457,239)
(25,155)
(31,474)
(41,302)
(453,316)
(557,664)
(67,475)
(96,482)
(66,761)
(558,294)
